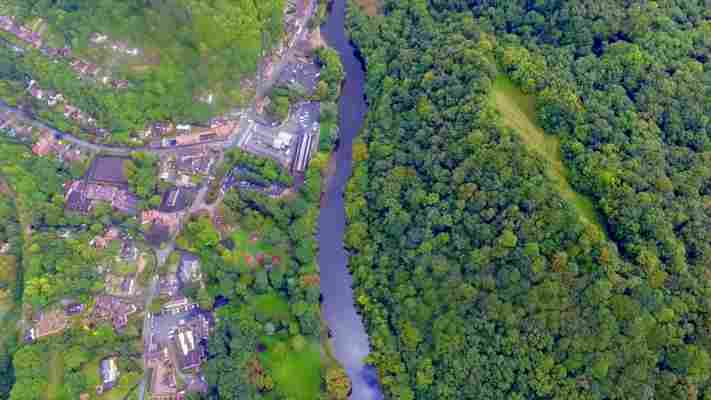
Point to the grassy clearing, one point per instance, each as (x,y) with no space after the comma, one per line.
(56,374)
(519,112)
(249,248)
(297,374)
(249,242)
(272,307)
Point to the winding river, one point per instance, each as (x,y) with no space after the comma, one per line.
(349,339)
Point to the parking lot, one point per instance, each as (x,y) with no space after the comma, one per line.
(280,142)
(163,326)
(303,75)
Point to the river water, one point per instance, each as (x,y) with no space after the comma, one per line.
(349,340)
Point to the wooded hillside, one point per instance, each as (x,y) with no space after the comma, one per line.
(477,278)
(187,49)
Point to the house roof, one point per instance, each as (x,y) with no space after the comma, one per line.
(175,199)
(108,170)
(109,370)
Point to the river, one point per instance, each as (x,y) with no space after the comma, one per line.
(349,340)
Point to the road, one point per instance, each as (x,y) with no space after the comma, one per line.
(150,295)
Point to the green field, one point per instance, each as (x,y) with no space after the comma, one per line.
(297,374)
(519,113)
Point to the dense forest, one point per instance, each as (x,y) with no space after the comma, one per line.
(477,277)
(188,49)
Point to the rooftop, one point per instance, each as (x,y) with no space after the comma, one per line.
(108,169)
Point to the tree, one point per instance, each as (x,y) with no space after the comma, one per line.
(338,385)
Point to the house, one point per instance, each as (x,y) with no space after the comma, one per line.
(123,286)
(98,38)
(128,285)
(160,129)
(119,84)
(179,305)
(108,170)
(175,199)
(168,285)
(113,309)
(129,251)
(73,309)
(108,369)
(43,147)
(155,217)
(47,323)
(189,269)
(101,242)
(194,161)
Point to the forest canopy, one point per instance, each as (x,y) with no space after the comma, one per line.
(477,279)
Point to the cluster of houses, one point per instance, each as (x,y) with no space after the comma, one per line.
(47,323)
(105,182)
(114,310)
(22,32)
(179,333)
(186,134)
(89,70)
(83,68)
(82,196)
(52,322)
(180,167)
(47,143)
(54,99)
(15,127)
(116,46)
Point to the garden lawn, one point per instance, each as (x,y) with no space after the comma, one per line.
(297,375)
(244,243)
